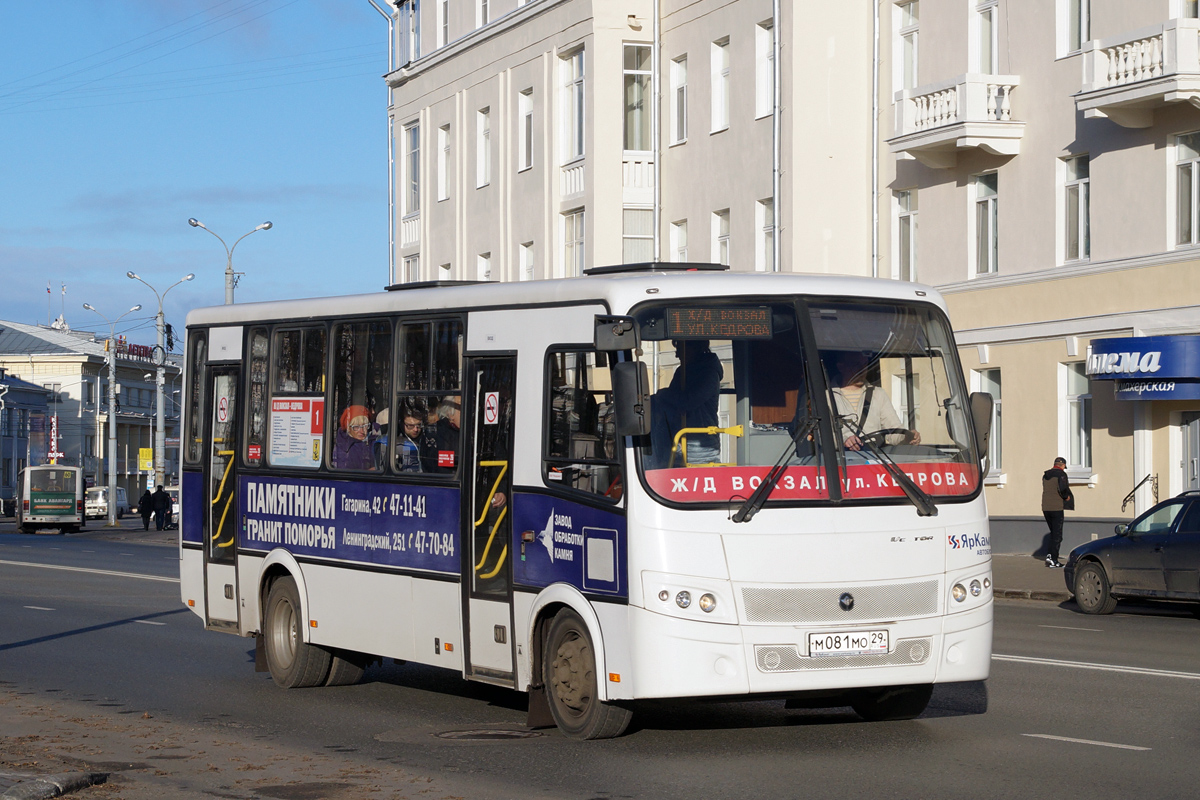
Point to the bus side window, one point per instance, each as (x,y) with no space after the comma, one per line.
(297,398)
(256,425)
(428,394)
(582,451)
(193,450)
(362,385)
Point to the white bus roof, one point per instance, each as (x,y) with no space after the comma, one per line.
(619,291)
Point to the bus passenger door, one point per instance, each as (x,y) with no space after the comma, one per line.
(220,503)
(487,564)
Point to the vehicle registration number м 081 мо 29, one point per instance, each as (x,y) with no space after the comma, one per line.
(851,643)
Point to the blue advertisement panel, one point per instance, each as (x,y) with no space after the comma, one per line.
(571,543)
(1148,367)
(191,509)
(392,525)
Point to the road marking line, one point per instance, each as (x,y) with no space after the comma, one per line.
(1085,741)
(1065,628)
(1053,662)
(39,608)
(93,571)
(149,622)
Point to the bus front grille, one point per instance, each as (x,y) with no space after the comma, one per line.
(796,605)
(787,657)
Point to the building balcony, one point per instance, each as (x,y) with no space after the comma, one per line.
(410,230)
(1126,77)
(637,178)
(934,122)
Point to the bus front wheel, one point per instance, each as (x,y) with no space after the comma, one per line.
(569,674)
(892,702)
(292,662)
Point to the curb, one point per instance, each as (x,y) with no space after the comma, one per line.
(1032,594)
(49,786)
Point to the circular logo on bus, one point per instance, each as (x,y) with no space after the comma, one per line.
(846,601)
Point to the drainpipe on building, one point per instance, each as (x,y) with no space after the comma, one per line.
(391,147)
(875,149)
(776,136)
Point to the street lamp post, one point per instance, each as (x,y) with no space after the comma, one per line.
(230,279)
(160,360)
(112,409)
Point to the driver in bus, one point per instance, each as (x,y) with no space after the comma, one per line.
(354,444)
(689,401)
(862,407)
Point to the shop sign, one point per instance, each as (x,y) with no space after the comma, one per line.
(1148,367)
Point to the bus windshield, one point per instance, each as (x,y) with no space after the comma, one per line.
(867,388)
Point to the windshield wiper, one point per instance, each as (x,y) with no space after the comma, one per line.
(918,496)
(756,501)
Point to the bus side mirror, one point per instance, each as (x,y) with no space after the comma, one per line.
(631,398)
(616,333)
(981,415)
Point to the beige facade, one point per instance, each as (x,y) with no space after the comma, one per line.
(1024,158)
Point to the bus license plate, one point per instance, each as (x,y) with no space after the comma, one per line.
(851,643)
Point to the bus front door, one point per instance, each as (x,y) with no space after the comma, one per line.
(220,502)
(487,565)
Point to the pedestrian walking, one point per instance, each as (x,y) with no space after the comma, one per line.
(146,508)
(1056,498)
(162,505)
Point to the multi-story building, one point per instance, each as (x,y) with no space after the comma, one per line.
(950,142)
(72,368)
(22,406)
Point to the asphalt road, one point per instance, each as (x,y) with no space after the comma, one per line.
(1105,706)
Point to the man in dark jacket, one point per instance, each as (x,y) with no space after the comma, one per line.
(162,505)
(1056,496)
(146,508)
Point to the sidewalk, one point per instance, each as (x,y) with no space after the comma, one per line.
(1027,578)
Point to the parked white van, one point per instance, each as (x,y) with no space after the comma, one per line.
(97,502)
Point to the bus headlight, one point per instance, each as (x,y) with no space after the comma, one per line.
(707,603)
(683,599)
(975,588)
(959,593)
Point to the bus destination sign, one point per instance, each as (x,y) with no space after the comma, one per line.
(729,322)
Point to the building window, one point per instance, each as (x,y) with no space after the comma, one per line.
(637,96)
(1187,182)
(986,239)
(525,130)
(720,85)
(1189,9)
(679,100)
(526,261)
(906,235)
(443,156)
(483,152)
(764,225)
(989,381)
(720,237)
(412,269)
(637,243)
(986,50)
(573,106)
(1078,401)
(408,16)
(1078,237)
(679,251)
(443,22)
(909,24)
(483,267)
(574,257)
(89,393)
(481,14)
(764,68)
(412,169)
(1078,23)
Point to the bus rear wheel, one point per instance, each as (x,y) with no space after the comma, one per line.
(346,668)
(293,663)
(569,675)
(892,702)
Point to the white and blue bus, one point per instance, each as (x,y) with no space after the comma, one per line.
(654,481)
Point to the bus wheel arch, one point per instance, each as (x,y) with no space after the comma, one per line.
(549,603)
(292,662)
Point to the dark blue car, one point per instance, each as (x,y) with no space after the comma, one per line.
(1157,557)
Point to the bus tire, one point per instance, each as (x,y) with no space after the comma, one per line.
(346,668)
(292,663)
(891,703)
(569,675)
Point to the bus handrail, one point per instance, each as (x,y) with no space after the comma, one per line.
(499,519)
(228,466)
(732,430)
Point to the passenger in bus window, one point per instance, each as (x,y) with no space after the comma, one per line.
(408,443)
(441,452)
(862,407)
(354,445)
(689,401)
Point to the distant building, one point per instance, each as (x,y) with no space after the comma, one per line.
(71,370)
(22,403)
(1039,163)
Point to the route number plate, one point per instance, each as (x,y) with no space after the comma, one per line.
(850,643)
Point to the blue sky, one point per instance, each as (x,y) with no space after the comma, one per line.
(120,119)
